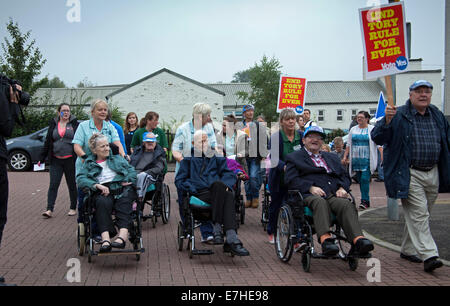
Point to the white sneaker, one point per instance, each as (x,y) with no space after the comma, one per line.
(208,239)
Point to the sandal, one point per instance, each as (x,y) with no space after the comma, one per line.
(105,247)
(118,245)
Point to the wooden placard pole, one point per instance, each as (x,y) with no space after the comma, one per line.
(392,204)
(390,93)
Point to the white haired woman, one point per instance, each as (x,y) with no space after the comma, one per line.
(110,177)
(97,124)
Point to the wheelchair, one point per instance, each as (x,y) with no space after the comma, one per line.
(295,226)
(195,211)
(239,202)
(265,204)
(157,196)
(86,231)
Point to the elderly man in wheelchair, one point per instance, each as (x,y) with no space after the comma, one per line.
(324,186)
(111,181)
(208,178)
(149,160)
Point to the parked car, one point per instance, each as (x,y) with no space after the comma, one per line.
(25,151)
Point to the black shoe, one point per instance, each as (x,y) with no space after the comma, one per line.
(432,263)
(105,248)
(2,279)
(363,246)
(411,258)
(218,239)
(364,204)
(329,247)
(118,245)
(235,249)
(379,180)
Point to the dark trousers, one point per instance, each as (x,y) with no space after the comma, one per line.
(3,196)
(123,208)
(345,213)
(222,205)
(277,199)
(206,228)
(57,169)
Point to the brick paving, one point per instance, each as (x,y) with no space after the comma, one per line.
(35,251)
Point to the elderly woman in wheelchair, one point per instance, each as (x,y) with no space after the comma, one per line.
(208,178)
(323,186)
(110,179)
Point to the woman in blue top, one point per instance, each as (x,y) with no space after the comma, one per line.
(97,124)
(361,155)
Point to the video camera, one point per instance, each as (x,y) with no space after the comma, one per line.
(9,89)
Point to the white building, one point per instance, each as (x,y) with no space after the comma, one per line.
(333,104)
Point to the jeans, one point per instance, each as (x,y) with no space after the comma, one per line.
(206,228)
(57,169)
(253,184)
(364,183)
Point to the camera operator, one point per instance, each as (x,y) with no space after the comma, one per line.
(11,96)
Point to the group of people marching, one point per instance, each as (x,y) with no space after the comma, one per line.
(415,139)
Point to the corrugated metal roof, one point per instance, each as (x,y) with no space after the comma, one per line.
(59,95)
(342,91)
(230,90)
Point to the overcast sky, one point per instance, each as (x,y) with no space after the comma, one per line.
(119,42)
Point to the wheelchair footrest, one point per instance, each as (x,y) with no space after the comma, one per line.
(121,252)
(366,256)
(202,252)
(321,256)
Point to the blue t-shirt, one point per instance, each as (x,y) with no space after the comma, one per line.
(85,131)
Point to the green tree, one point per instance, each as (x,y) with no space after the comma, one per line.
(55,82)
(21,59)
(85,83)
(241,76)
(265,82)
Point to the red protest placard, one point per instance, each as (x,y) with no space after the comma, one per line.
(291,93)
(384,39)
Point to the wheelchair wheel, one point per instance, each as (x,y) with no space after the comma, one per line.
(180,236)
(306,259)
(165,214)
(283,237)
(353,263)
(81,239)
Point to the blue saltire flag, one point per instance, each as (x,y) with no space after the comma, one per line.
(381,107)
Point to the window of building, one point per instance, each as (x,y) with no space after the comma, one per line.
(339,116)
(321,115)
(372,112)
(354,112)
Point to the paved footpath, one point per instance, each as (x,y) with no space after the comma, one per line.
(36,251)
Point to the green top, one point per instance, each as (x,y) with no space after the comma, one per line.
(289,147)
(161,137)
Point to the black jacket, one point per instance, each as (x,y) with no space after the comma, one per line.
(6,122)
(47,150)
(156,166)
(302,173)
